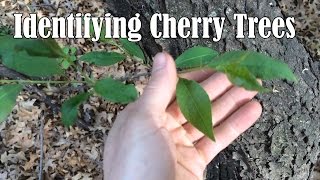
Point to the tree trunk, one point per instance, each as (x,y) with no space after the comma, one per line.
(284,144)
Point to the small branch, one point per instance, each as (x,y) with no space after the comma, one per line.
(41,147)
(8,73)
(148,74)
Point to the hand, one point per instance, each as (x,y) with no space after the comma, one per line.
(151,139)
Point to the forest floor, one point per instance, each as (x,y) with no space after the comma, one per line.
(69,153)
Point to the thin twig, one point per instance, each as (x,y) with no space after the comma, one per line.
(41,147)
(11,74)
(148,74)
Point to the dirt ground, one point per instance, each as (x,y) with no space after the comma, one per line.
(283,145)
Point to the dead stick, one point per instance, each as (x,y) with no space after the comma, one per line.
(40,174)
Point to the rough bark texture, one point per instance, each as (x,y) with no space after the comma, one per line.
(284,144)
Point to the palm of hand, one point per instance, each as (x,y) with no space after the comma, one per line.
(233,113)
(160,143)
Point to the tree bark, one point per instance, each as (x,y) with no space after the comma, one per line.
(284,144)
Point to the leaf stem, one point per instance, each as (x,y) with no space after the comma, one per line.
(114,43)
(41,82)
(84,75)
(148,74)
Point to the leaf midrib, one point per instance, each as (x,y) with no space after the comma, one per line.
(189,59)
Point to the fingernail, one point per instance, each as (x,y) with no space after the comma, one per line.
(159,61)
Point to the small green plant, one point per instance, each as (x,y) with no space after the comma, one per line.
(4,30)
(44,58)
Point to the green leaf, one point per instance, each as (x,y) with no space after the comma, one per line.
(8,96)
(116,91)
(34,66)
(73,50)
(40,47)
(65,64)
(7,46)
(66,50)
(132,48)
(102,58)
(241,76)
(260,65)
(196,57)
(70,108)
(23,62)
(195,105)
(73,58)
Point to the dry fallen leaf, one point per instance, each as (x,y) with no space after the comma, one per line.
(31,163)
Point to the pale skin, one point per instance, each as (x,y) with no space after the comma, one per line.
(151,139)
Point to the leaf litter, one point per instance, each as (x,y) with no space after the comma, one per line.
(74,153)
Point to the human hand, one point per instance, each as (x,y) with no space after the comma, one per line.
(151,139)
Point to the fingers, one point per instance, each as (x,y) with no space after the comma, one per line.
(162,85)
(215,86)
(222,108)
(229,130)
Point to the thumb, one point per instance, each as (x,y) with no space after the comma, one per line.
(162,84)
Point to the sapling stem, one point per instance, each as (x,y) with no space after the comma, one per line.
(85,76)
(114,43)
